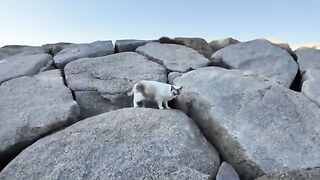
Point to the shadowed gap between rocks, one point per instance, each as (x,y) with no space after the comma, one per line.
(66,84)
(296,84)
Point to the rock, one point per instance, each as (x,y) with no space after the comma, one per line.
(31,107)
(309,45)
(308,59)
(172,76)
(282,44)
(258,126)
(127,45)
(227,172)
(173,57)
(22,65)
(101,84)
(11,50)
(167,40)
(197,44)
(261,57)
(311,85)
(313,174)
(57,47)
(139,143)
(74,52)
(221,43)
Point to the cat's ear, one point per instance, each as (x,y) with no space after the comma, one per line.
(179,88)
(172,88)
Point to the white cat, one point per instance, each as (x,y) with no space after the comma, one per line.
(154,91)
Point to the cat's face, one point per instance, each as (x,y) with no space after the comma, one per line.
(175,90)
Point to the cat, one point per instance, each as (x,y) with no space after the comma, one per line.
(154,91)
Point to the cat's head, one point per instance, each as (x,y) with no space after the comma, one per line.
(175,90)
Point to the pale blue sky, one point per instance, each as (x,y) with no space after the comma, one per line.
(37,22)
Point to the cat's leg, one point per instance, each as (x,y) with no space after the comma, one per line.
(166,105)
(160,104)
(138,97)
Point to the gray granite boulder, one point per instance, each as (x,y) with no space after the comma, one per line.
(258,126)
(261,57)
(172,76)
(130,143)
(76,51)
(11,50)
(197,44)
(174,57)
(311,85)
(221,43)
(282,44)
(227,172)
(101,84)
(129,45)
(31,107)
(308,58)
(23,65)
(56,47)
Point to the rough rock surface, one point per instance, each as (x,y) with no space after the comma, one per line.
(221,43)
(172,76)
(139,143)
(74,52)
(174,57)
(23,65)
(261,57)
(311,85)
(31,107)
(258,126)
(227,172)
(282,44)
(11,50)
(101,84)
(56,47)
(197,44)
(308,58)
(129,45)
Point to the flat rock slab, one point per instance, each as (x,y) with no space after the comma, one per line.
(22,65)
(174,57)
(258,126)
(101,84)
(308,58)
(261,57)
(31,107)
(227,172)
(11,50)
(75,51)
(197,44)
(221,43)
(139,143)
(129,45)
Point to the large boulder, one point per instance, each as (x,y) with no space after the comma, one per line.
(174,57)
(308,58)
(221,43)
(129,45)
(282,44)
(258,126)
(76,51)
(197,44)
(56,47)
(101,84)
(311,85)
(11,50)
(31,107)
(261,57)
(23,65)
(309,64)
(131,143)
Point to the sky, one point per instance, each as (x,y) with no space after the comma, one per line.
(37,22)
